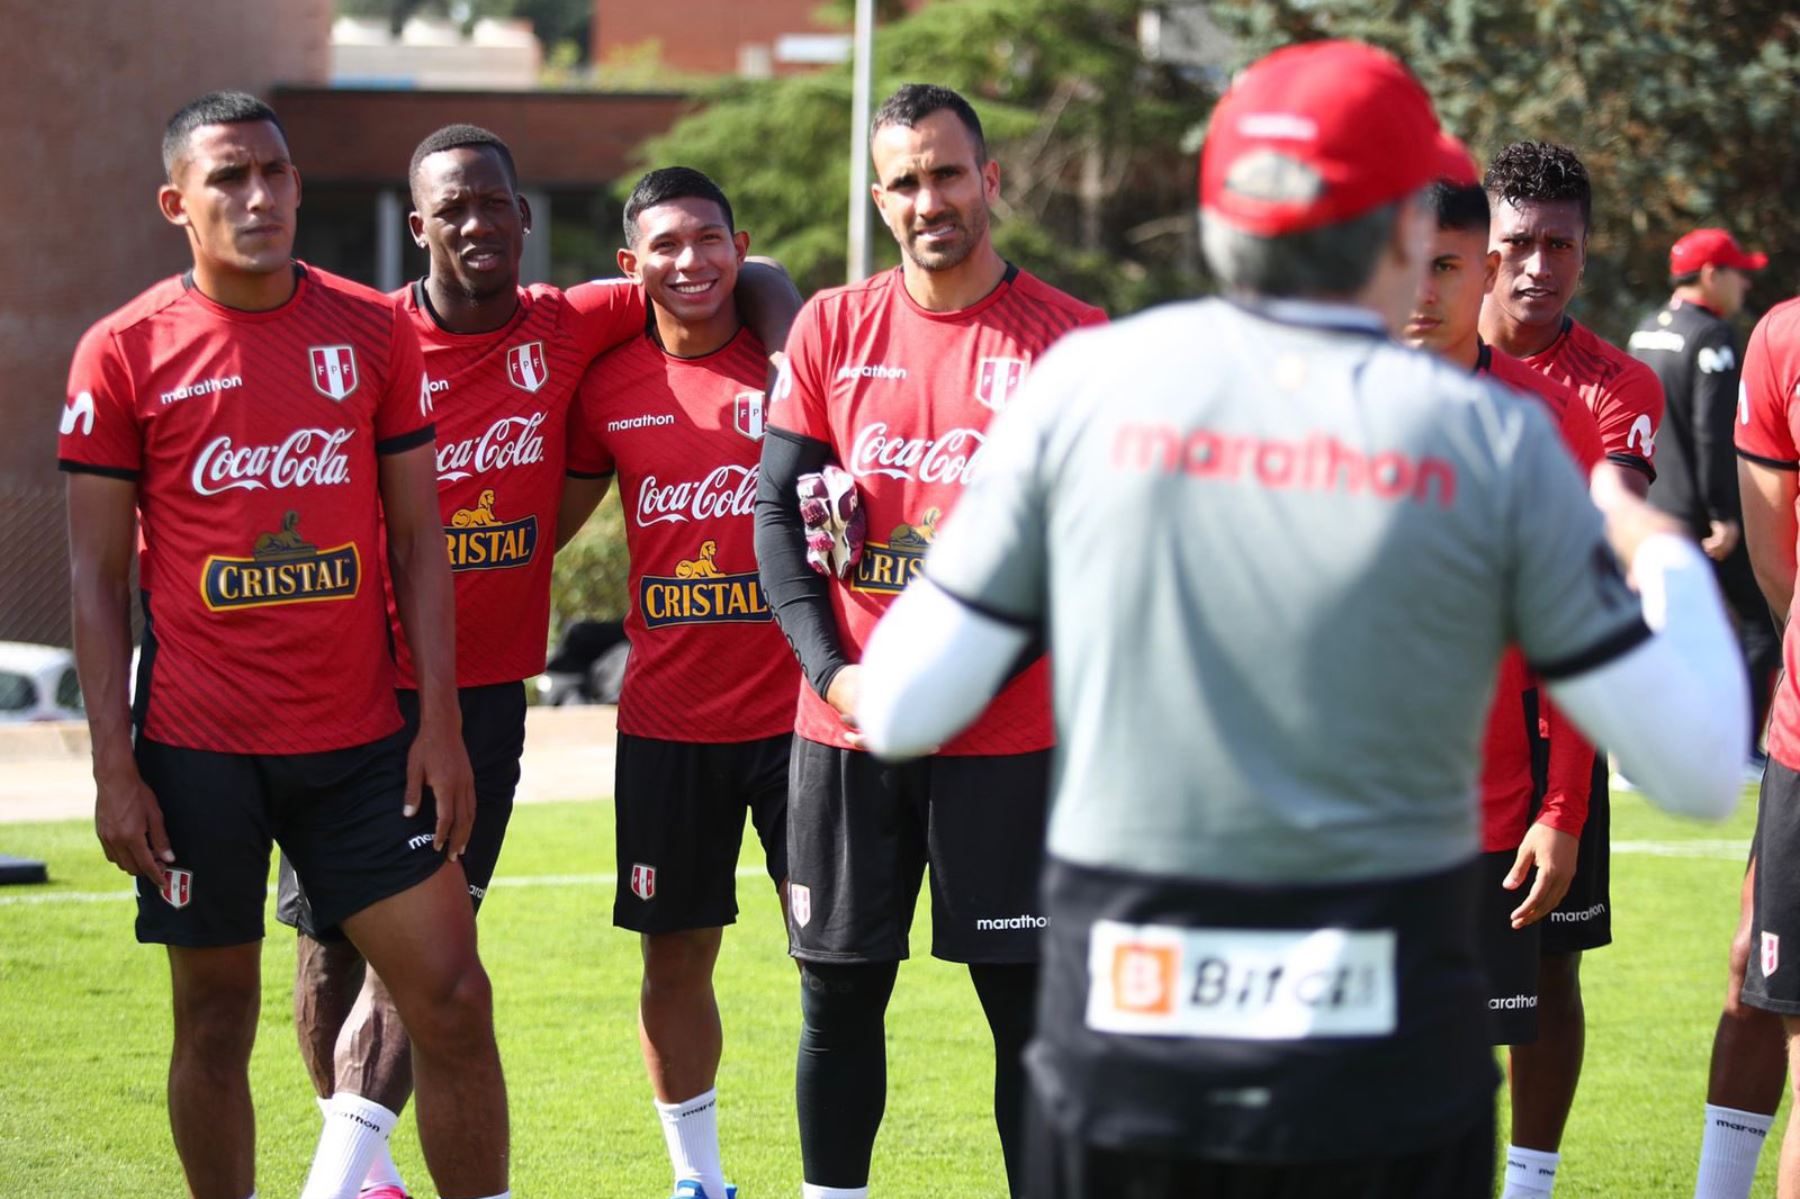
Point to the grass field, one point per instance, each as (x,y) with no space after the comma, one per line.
(84,1032)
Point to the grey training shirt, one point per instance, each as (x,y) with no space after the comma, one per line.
(1278,557)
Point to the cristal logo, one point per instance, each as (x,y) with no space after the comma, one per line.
(950,458)
(308,458)
(509,441)
(727,491)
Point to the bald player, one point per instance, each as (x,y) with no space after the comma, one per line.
(1259,970)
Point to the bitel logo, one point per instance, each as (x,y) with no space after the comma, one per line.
(643,881)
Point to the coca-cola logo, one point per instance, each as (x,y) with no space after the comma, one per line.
(726,491)
(509,441)
(947,458)
(308,458)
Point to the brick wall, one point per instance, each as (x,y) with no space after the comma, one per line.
(87,86)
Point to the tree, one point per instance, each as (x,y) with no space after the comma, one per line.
(1097,190)
(561,25)
(1685,113)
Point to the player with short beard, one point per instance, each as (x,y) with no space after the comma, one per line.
(504,362)
(896,378)
(267,510)
(706,710)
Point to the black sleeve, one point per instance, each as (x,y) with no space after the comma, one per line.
(799,596)
(1715,410)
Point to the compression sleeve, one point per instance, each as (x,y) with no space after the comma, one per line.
(798,595)
(929,670)
(1675,708)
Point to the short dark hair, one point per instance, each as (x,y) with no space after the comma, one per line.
(1540,171)
(671,183)
(913,102)
(1464,208)
(455,137)
(1688,280)
(214,108)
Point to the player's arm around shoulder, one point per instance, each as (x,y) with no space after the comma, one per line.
(588,465)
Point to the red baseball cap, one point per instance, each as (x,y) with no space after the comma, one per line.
(1712,247)
(1456,166)
(1316,134)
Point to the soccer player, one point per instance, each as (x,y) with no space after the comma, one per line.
(706,714)
(1277,558)
(896,378)
(504,363)
(1769,490)
(1444,320)
(269,426)
(1542,208)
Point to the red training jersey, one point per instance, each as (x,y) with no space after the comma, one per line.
(1768,432)
(903,397)
(502,400)
(252,438)
(1624,395)
(708,663)
(1506,781)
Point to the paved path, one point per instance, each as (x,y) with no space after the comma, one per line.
(45,773)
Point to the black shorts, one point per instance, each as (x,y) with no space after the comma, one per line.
(1061,1167)
(1583,920)
(680,824)
(861,832)
(1508,955)
(1772,976)
(493,727)
(336,814)
(1267,1023)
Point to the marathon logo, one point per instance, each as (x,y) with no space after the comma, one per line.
(479,540)
(1579,917)
(1512,1003)
(1313,462)
(282,569)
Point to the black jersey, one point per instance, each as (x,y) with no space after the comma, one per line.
(1694,353)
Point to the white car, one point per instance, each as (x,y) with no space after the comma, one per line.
(37,682)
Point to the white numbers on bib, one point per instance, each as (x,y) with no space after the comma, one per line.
(1242,984)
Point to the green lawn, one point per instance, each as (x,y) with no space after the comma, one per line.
(84,1033)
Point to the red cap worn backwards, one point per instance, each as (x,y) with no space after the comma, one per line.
(1712,247)
(1316,134)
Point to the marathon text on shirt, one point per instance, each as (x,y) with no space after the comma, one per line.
(1315,462)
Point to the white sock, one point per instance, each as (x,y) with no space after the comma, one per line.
(809,1191)
(1728,1152)
(691,1131)
(1530,1173)
(382,1170)
(354,1129)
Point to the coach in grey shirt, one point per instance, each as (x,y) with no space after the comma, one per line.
(1277,557)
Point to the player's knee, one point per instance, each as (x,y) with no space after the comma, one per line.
(216,1023)
(837,999)
(680,961)
(454,1016)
